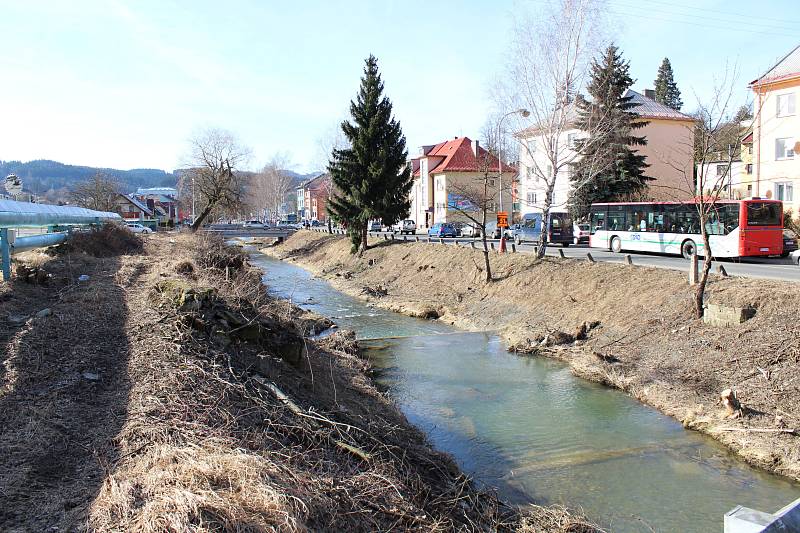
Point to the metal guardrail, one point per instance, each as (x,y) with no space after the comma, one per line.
(27,215)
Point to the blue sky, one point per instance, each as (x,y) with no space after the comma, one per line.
(125,84)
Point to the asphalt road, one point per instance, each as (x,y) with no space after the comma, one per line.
(766,268)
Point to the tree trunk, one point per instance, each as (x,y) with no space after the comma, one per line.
(701,286)
(486,250)
(363,247)
(199,220)
(542,248)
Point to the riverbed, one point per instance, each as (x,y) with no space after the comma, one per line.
(530,429)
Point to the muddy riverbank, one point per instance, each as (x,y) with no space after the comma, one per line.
(642,337)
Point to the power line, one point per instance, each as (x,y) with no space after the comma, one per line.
(718,12)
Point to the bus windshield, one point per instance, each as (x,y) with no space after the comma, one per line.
(763,214)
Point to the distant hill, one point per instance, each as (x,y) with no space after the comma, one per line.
(300,178)
(43,176)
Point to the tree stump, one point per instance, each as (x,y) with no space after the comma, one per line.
(728,399)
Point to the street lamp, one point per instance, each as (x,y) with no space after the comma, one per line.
(525,113)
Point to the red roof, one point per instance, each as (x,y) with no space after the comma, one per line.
(458,156)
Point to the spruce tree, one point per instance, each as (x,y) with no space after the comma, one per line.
(371,178)
(667,91)
(609,167)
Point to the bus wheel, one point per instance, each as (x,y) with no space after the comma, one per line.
(518,240)
(688,249)
(616,245)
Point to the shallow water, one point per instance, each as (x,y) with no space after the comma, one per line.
(532,430)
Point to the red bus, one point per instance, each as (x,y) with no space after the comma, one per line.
(736,228)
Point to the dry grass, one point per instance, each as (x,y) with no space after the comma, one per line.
(648,343)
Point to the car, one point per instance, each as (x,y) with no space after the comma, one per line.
(404,227)
(442,229)
(580,233)
(795,257)
(492,230)
(138,228)
(789,243)
(374,225)
(470,230)
(559,231)
(509,231)
(255,224)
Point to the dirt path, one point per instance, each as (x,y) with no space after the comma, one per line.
(637,322)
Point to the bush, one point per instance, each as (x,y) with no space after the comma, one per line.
(105,241)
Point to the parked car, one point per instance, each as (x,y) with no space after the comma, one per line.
(795,257)
(559,231)
(580,233)
(374,225)
(492,231)
(403,227)
(442,229)
(138,228)
(253,224)
(789,243)
(469,230)
(509,231)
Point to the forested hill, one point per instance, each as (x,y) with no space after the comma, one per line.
(43,175)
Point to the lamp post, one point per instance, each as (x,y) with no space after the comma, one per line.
(192,199)
(525,113)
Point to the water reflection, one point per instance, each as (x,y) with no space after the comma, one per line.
(531,429)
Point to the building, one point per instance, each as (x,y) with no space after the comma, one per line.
(670,138)
(163,202)
(312,198)
(443,171)
(133,210)
(776,132)
(737,181)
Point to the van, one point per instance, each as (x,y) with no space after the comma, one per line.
(530,230)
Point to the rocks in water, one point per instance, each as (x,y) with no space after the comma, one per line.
(91,376)
(375,292)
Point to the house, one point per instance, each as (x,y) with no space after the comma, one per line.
(776,132)
(737,181)
(133,210)
(163,201)
(312,198)
(442,171)
(670,138)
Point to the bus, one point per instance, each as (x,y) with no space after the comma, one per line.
(736,228)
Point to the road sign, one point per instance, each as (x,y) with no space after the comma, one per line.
(502,219)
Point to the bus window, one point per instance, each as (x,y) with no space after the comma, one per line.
(763,214)
(616,218)
(598,221)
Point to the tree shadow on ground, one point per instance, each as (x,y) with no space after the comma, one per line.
(63,392)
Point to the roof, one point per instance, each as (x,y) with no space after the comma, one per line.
(137,203)
(748,139)
(649,108)
(315,181)
(164,191)
(458,156)
(786,68)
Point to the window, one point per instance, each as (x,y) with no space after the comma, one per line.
(439,184)
(532,146)
(722,170)
(784,148)
(748,168)
(491,182)
(549,171)
(571,137)
(784,192)
(531,197)
(763,214)
(785,105)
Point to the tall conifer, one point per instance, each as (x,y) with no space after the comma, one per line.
(609,168)
(666,89)
(371,178)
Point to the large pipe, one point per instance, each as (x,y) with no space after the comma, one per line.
(22,244)
(24,215)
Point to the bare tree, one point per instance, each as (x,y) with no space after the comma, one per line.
(215,158)
(550,60)
(270,188)
(476,197)
(98,192)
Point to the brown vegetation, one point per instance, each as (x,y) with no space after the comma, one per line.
(645,342)
(155,397)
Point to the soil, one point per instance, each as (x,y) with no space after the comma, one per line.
(629,327)
(164,394)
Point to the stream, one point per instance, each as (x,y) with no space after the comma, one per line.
(528,428)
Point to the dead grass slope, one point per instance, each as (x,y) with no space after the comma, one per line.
(647,342)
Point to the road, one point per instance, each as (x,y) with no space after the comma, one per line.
(765,268)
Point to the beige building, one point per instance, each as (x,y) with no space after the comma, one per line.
(445,173)
(776,132)
(669,152)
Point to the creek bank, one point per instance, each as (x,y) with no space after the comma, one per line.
(190,400)
(643,339)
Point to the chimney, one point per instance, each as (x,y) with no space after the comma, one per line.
(650,93)
(475,147)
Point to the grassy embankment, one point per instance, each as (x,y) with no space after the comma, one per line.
(168,393)
(626,326)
